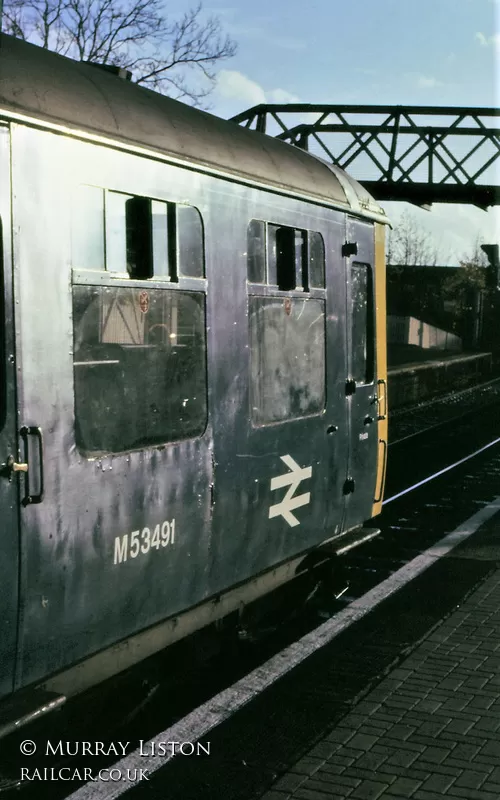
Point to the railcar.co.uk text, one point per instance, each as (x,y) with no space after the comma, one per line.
(165,749)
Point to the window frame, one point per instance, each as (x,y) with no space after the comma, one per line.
(188,285)
(172,274)
(171,280)
(370,357)
(301,271)
(282,298)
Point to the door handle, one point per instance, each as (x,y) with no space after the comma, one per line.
(11,466)
(378,497)
(35,431)
(381,383)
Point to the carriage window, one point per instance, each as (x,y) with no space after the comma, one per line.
(116,232)
(139,367)
(160,239)
(316,260)
(129,239)
(88,228)
(138,236)
(285,257)
(293,258)
(300,257)
(256,251)
(190,242)
(362,353)
(287,358)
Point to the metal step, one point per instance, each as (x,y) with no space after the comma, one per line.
(25,707)
(348,541)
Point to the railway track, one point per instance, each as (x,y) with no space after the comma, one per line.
(410,523)
(440,433)
(433,414)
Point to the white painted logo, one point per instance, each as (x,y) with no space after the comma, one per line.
(290,503)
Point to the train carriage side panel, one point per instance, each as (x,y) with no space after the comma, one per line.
(280,426)
(186,423)
(120,538)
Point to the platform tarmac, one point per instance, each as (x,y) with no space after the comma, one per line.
(430,729)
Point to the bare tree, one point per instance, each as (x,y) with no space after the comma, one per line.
(475,257)
(174,56)
(411,245)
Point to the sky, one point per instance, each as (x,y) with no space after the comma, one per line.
(409,52)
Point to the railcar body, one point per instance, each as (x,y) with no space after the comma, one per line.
(192,368)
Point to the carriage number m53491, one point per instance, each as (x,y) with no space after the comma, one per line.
(141,542)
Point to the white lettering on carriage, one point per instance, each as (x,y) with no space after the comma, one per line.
(289,503)
(142,541)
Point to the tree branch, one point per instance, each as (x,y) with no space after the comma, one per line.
(134,34)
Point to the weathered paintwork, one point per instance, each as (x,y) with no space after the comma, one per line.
(73,600)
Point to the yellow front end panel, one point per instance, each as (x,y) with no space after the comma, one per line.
(381,350)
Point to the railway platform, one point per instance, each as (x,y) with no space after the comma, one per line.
(416,374)
(431,727)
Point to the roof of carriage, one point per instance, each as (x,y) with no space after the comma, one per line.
(52,88)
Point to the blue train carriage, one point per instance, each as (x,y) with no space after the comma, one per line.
(192,370)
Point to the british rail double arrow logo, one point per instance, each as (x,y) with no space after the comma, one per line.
(291,479)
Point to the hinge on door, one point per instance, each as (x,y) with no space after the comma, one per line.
(349,486)
(350,386)
(349,249)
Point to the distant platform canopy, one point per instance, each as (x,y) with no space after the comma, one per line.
(419,154)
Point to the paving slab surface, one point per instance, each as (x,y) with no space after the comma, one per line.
(430,729)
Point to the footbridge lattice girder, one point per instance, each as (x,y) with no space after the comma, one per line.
(421,154)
